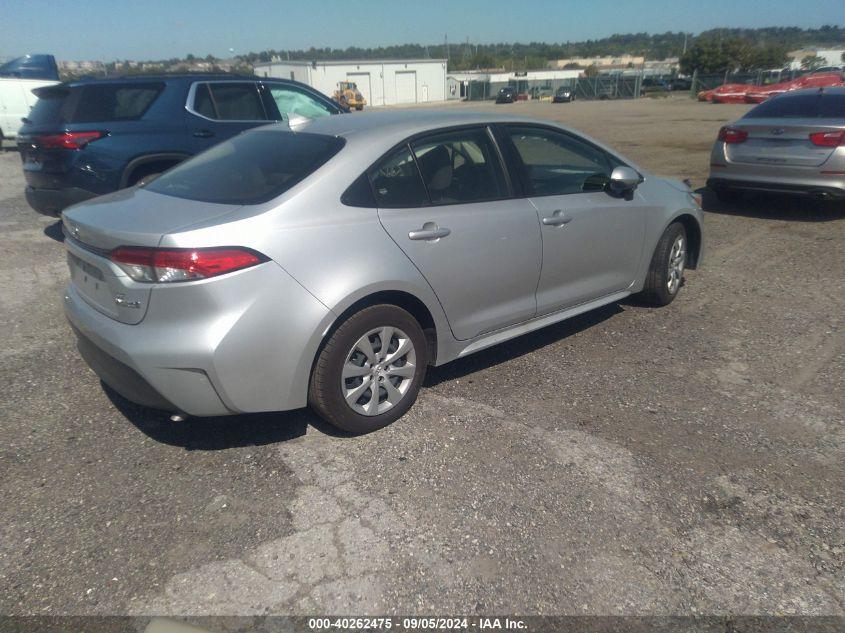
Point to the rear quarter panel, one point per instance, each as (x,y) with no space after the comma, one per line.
(339,254)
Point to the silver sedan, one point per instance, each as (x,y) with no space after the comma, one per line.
(332,265)
(793,143)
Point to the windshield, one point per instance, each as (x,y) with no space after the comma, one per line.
(249,169)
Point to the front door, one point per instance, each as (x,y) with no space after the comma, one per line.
(592,241)
(448,207)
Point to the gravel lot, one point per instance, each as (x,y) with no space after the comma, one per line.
(683,460)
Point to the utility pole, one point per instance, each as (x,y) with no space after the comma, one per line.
(446,43)
(685,43)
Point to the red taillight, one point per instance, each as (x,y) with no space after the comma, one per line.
(732,135)
(67,140)
(162,265)
(828,139)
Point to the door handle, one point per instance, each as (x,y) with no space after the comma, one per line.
(203,133)
(429,231)
(557,219)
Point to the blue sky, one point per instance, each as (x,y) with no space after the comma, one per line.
(154,29)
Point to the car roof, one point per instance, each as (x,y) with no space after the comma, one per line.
(408,122)
(179,77)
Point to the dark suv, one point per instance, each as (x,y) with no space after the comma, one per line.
(506,95)
(83,139)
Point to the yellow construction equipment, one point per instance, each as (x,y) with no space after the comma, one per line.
(348,95)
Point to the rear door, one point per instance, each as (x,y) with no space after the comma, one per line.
(780,131)
(218,110)
(592,242)
(446,202)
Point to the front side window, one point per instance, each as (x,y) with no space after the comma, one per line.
(460,167)
(396,181)
(291,101)
(556,163)
(248,169)
(229,101)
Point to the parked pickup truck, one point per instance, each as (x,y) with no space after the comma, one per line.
(18,78)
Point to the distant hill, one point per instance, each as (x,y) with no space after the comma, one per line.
(536,54)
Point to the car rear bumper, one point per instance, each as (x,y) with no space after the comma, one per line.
(240,343)
(814,190)
(119,376)
(53,201)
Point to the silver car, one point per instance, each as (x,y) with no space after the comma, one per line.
(331,266)
(792,143)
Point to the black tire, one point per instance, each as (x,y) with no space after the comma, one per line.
(325,389)
(656,291)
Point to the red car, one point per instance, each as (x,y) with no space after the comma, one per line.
(747,93)
(824,80)
(729,93)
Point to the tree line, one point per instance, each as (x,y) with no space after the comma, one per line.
(713,51)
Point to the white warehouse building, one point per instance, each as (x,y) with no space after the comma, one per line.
(381,82)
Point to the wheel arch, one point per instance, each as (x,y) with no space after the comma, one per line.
(165,158)
(694,237)
(404,299)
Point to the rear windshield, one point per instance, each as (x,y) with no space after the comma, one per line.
(806,106)
(96,103)
(248,169)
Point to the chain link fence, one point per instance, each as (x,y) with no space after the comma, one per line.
(601,87)
(617,86)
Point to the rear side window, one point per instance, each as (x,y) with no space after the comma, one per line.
(248,169)
(396,181)
(202,102)
(460,167)
(229,101)
(121,102)
(806,106)
(94,103)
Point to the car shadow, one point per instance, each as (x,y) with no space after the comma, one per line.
(775,207)
(522,345)
(259,429)
(220,433)
(54,231)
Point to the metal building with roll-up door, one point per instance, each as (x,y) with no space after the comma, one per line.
(381,82)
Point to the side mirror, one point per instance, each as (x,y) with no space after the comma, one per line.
(624,180)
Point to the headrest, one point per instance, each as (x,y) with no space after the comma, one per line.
(436,166)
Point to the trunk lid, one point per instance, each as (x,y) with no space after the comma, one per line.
(135,217)
(781,142)
(131,217)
